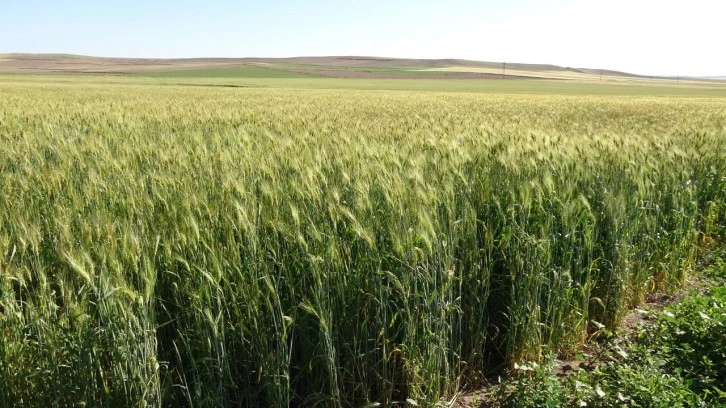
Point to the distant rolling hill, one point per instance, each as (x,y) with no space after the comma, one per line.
(296,67)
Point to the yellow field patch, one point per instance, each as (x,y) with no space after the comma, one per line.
(562,75)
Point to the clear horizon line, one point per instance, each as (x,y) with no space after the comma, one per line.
(674,76)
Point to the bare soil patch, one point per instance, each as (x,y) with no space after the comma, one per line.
(92,65)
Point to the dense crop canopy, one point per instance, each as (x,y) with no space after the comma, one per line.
(225,247)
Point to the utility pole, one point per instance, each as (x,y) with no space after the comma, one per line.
(504,69)
(601,74)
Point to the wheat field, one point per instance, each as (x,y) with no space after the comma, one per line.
(206,247)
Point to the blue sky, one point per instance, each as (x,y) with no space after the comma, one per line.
(642,36)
